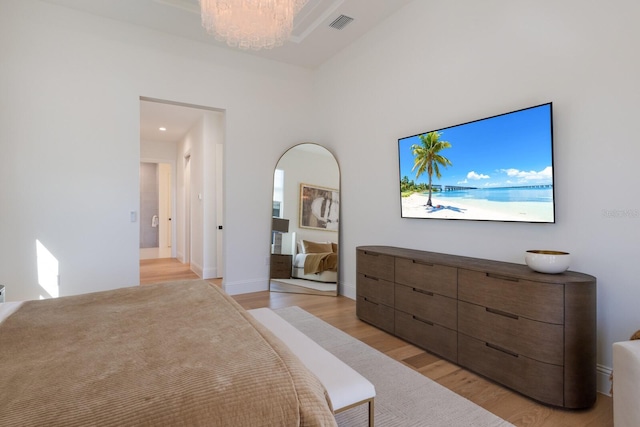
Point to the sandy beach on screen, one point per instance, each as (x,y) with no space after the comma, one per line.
(415,206)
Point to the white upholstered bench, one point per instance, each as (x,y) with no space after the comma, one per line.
(346,387)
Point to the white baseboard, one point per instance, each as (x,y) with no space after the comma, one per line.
(204,273)
(245,287)
(348,290)
(263,285)
(196,268)
(604,379)
(210,273)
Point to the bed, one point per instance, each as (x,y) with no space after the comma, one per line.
(181,353)
(317,261)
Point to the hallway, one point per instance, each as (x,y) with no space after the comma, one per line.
(167,270)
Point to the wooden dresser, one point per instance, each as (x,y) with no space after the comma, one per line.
(534,333)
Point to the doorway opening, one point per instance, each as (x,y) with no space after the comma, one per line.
(181,149)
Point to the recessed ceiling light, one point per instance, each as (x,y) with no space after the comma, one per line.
(163,129)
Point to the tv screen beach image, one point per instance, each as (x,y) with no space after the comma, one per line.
(495,169)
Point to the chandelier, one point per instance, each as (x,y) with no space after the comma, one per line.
(250,24)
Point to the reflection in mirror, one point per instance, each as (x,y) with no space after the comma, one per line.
(305,222)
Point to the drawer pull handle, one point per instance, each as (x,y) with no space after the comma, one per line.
(422,320)
(502,313)
(371,277)
(370,302)
(420,291)
(495,347)
(507,278)
(428,264)
(370,253)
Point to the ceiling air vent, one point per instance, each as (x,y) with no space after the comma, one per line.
(340,22)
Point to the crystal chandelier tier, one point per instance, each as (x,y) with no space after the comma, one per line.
(250,24)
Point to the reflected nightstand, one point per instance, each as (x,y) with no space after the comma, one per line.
(281,266)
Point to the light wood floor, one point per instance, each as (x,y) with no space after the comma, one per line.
(164,270)
(340,312)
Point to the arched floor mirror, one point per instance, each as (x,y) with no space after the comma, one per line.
(305,222)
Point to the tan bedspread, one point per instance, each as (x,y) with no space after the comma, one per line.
(317,263)
(180,354)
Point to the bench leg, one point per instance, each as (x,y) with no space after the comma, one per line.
(371,409)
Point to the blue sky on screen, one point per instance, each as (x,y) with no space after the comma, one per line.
(513,149)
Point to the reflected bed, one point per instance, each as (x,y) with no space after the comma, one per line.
(317,261)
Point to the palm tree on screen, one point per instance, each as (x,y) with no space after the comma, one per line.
(427,157)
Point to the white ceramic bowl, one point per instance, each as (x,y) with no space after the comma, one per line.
(544,261)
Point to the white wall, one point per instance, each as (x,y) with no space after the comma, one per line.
(440,63)
(70,149)
(200,145)
(213,140)
(190,209)
(71,83)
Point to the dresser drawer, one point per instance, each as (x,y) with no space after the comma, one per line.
(376,290)
(379,315)
(534,300)
(280,266)
(375,265)
(536,340)
(435,278)
(427,305)
(541,381)
(430,336)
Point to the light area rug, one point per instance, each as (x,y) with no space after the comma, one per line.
(404,397)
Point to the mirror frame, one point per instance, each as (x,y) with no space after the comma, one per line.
(315,230)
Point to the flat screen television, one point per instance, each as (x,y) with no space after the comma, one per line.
(499,168)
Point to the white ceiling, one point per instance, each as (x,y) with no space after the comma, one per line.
(176,118)
(313,42)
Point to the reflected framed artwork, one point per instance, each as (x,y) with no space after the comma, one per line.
(319,207)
